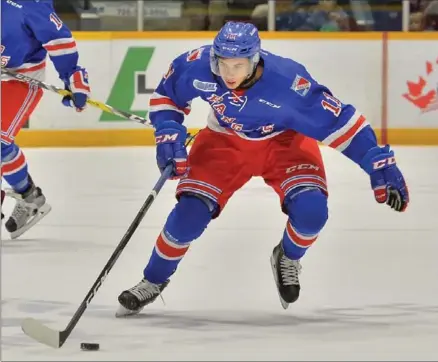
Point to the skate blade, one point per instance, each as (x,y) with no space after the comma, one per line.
(41,213)
(284,304)
(125,312)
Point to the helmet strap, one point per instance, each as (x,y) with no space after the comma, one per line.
(251,79)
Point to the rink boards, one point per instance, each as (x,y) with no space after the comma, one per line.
(392,78)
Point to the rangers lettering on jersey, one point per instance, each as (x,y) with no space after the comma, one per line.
(4,59)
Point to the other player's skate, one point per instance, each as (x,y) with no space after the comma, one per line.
(30,208)
(133,300)
(285,272)
(3,197)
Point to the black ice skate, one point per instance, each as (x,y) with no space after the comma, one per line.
(30,208)
(3,197)
(133,300)
(285,272)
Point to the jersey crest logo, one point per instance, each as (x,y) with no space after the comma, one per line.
(301,85)
(204,86)
(194,54)
(237,101)
(56,20)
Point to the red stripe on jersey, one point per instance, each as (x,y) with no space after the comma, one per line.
(69,45)
(169,102)
(349,134)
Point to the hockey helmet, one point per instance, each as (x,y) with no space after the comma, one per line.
(236,40)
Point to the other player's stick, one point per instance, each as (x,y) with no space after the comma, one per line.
(104,107)
(54,338)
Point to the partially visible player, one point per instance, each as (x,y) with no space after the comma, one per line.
(30,29)
(267,113)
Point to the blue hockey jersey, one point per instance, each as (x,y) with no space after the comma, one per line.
(30,29)
(286,97)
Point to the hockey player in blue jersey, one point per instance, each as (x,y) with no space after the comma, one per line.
(31,30)
(267,114)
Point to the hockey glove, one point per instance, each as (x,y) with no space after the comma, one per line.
(77,83)
(170,137)
(387,181)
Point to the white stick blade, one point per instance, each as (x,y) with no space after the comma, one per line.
(40,332)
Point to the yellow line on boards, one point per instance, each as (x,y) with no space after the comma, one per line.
(145,137)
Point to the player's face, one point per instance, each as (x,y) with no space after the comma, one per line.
(234,71)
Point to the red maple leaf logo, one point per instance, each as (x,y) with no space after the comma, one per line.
(425,100)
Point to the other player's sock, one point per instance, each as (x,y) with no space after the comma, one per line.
(3,197)
(14,168)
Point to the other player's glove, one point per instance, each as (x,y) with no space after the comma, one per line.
(77,83)
(387,181)
(170,137)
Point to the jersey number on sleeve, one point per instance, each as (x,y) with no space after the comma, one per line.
(56,20)
(331,104)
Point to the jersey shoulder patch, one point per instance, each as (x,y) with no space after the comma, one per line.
(198,53)
(301,85)
(195,54)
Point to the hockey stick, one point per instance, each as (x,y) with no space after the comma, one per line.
(104,107)
(54,338)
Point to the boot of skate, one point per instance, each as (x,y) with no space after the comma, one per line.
(286,273)
(30,208)
(133,300)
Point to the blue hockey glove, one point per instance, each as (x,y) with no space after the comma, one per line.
(387,181)
(77,83)
(170,137)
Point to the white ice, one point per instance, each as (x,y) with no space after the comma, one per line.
(369,284)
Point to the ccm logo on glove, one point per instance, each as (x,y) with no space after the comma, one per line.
(166,138)
(384,163)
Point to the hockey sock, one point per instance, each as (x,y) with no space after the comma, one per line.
(186,222)
(307,210)
(14,167)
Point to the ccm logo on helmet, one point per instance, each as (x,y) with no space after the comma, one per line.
(166,138)
(383,163)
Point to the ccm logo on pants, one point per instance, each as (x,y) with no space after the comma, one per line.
(303,166)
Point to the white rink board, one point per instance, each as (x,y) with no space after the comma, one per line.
(352,71)
(408,62)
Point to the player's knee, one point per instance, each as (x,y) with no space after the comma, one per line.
(189,218)
(307,209)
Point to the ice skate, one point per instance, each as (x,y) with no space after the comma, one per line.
(133,300)
(3,197)
(286,273)
(30,208)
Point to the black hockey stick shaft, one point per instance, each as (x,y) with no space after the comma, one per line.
(104,107)
(57,338)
